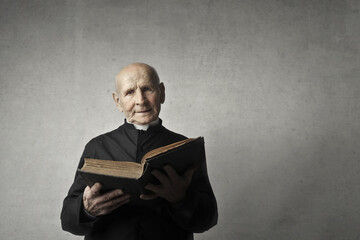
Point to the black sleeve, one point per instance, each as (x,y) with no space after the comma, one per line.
(73,217)
(198,212)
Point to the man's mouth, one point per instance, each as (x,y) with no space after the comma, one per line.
(144,111)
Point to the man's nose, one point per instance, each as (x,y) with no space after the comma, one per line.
(140,97)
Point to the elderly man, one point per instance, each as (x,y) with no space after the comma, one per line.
(176,208)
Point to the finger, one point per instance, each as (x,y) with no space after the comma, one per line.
(86,196)
(87,190)
(149,196)
(189,173)
(154,188)
(111,206)
(117,191)
(95,189)
(117,201)
(172,174)
(164,180)
(109,196)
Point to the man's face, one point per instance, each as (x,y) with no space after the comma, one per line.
(138,95)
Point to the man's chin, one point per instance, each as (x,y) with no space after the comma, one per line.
(144,120)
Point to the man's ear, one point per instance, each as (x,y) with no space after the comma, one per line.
(117,101)
(162,92)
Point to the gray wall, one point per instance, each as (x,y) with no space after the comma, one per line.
(273,86)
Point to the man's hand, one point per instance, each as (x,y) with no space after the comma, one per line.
(100,204)
(172,186)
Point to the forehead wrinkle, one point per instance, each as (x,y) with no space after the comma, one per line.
(137,72)
(135,82)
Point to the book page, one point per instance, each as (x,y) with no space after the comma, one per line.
(113,168)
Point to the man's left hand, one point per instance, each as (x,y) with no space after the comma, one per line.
(172,186)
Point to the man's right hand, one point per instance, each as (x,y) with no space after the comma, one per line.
(97,204)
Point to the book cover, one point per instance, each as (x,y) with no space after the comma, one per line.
(181,156)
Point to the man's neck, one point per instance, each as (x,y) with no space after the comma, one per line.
(146,126)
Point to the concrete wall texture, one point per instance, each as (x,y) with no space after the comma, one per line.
(272,85)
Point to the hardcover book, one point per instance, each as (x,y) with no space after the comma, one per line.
(131,177)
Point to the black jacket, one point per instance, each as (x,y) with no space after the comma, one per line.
(156,219)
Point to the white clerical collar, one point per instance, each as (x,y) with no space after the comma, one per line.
(146,126)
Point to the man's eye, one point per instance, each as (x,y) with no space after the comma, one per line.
(129,92)
(146,89)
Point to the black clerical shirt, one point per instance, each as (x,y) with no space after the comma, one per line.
(155,219)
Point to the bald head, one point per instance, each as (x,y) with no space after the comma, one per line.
(136,70)
(139,93)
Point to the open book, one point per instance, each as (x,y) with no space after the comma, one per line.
(131,177)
